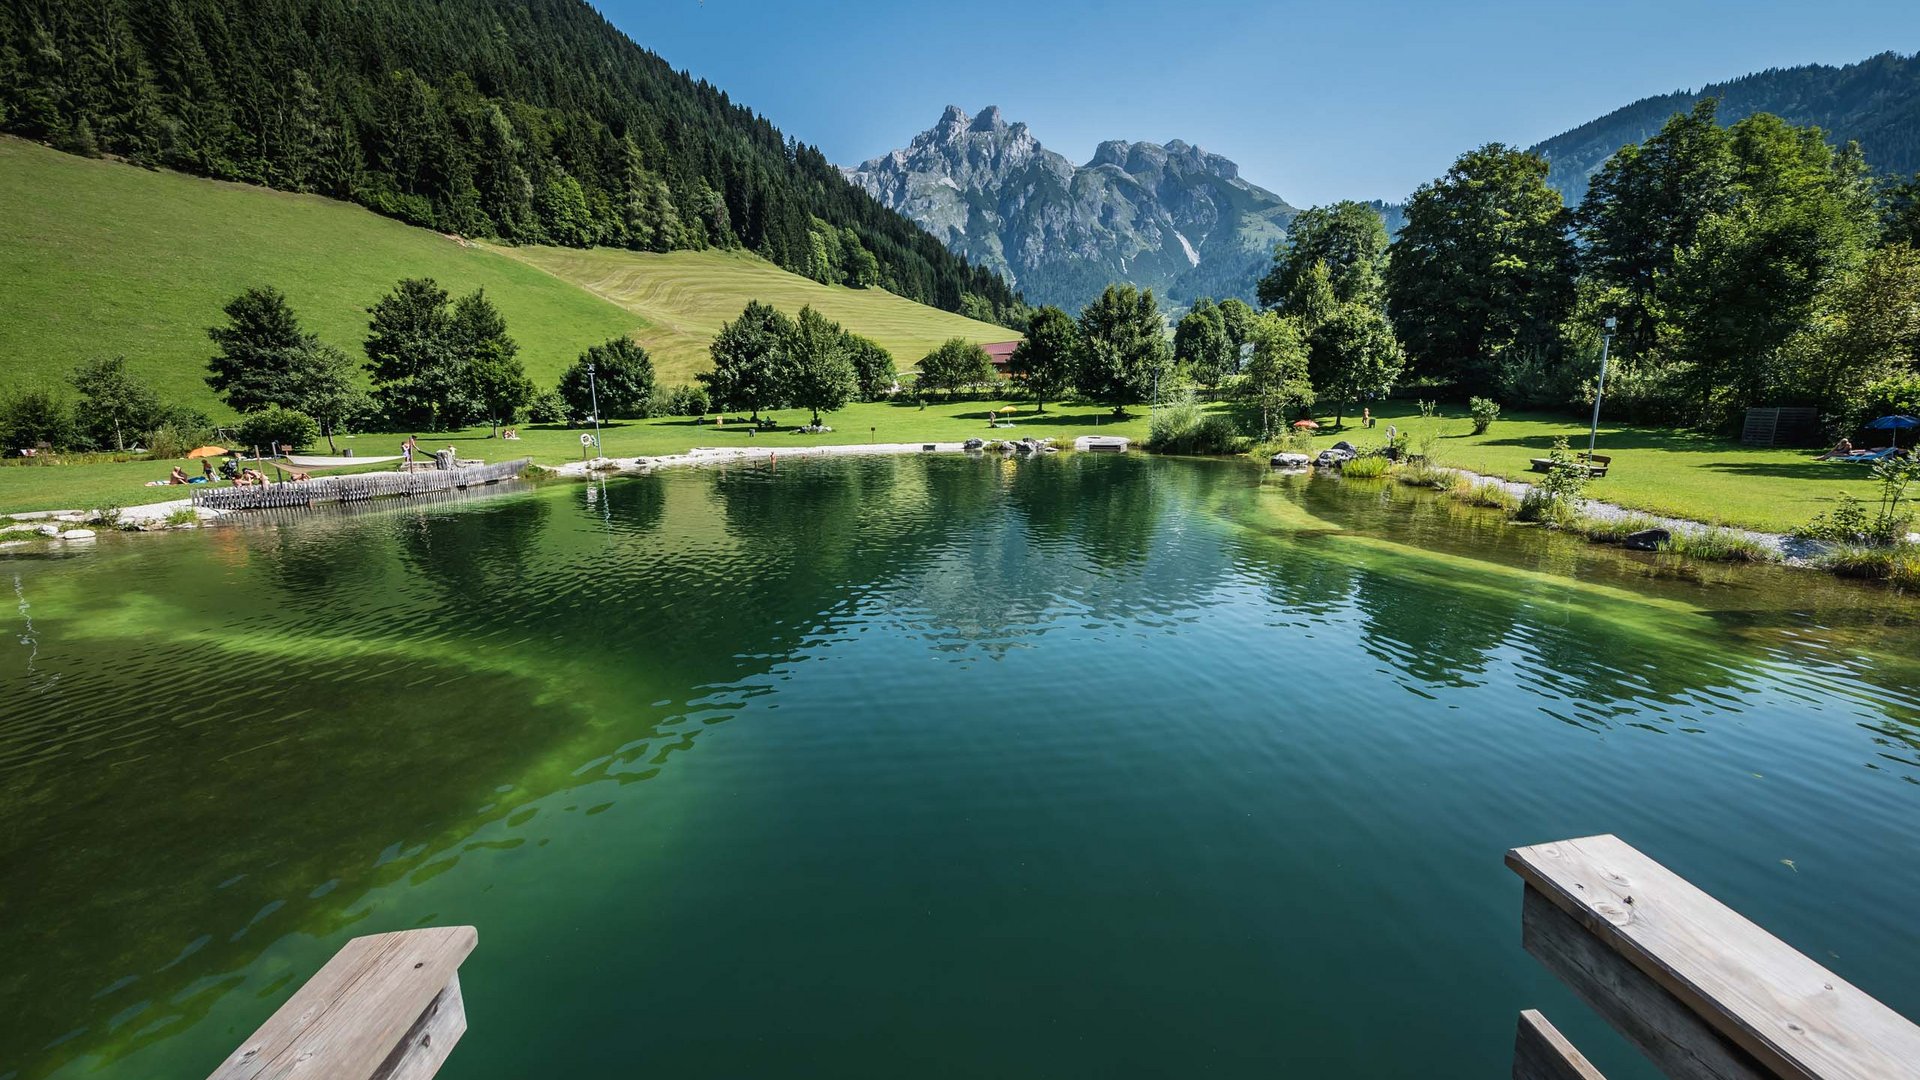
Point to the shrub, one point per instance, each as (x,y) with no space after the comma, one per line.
(186,515)
(1182,427)
(1429,409)
(1539,505)
(1485,411)
(549,408)
(681,401)
(1847,523)
(270,429)
(173,439)
(32,415)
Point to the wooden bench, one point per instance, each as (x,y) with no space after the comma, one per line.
(1704,993)
(386,1007)
(1596,464)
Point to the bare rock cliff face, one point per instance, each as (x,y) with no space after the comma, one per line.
(1174,218)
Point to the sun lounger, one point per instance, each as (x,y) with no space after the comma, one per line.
(1866,457)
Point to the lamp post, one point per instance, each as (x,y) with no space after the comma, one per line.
(1606,341)
(593,390)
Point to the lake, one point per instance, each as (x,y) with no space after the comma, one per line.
(935,766)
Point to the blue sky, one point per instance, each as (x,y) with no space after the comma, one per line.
(1316,101)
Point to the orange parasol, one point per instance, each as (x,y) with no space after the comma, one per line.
(207,451)
(1308,424)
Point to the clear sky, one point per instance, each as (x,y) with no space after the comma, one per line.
(1316,101)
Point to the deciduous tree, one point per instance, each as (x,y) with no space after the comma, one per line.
(748,354)
(1043,361)
(818,374)
(621,381)
(113,404)
(1483,266)
(956,364)
(1275,378)
(1123,347)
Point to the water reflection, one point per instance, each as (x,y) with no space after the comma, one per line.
(217,748)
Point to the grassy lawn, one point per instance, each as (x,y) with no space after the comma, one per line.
(1655,470)
(684,296)
(1659,470)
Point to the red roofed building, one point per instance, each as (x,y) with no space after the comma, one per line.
(1000,352)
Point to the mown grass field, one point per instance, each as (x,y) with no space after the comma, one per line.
(684,296)
(102,258)
(99,258)
(1683,475)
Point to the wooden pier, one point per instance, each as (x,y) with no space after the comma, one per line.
(1701,991)
(386,1007)
(357,487)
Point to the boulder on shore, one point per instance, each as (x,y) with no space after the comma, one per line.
(1284,460)
(1648,539)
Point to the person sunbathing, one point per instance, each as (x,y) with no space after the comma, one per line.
(1840,449)
(177,476)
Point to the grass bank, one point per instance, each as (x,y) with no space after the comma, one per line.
(1660,471)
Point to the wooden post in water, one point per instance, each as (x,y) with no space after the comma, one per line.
(386,1007)
(1704,993)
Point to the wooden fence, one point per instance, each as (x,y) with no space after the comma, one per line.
(357,487)
(1702,992)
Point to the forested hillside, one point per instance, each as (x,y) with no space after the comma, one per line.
(533,121)
(1875,102)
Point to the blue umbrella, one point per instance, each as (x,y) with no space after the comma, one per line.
(1894,424)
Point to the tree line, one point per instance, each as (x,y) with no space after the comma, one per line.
(1751,264)
(533,122)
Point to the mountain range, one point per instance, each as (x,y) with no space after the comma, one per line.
(1170,216)
(1875,102)
(1181,220)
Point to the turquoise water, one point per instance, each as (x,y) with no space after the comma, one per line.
(1084,766)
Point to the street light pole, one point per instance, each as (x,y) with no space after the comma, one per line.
(1606,341)
(593,389)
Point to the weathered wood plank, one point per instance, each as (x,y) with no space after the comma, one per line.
(348,1020)
(1682,1045)
(425,1048)
(1794,1016)
(1540,1052)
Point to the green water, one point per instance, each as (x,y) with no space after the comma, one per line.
(1085,766)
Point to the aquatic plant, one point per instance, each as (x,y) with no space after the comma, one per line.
(1470,490)
(1718,544)
(1897,564)
(1367,467)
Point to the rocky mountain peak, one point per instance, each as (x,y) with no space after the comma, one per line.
(989,120)
(1157,215)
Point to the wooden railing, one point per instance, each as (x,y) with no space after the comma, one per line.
(356,487)
(386,1007)
(1701,991)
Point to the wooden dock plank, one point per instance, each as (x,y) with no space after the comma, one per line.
(1540,1052)
(1671,1035)
(350,1019)
(1794,1016)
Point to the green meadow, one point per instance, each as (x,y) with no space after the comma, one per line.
(1691,476)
